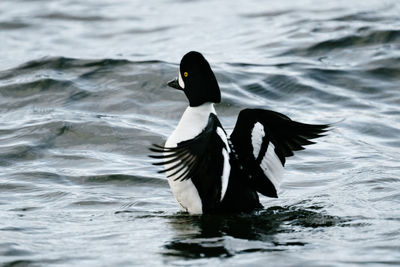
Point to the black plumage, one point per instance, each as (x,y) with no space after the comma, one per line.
(258,147)
(286,136)
(199,159)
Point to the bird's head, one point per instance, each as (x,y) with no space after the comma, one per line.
(197,80)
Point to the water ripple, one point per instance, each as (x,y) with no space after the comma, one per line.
(83,94)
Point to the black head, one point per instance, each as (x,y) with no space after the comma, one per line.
(197,80)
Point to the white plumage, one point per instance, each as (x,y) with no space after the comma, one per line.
(270,163)
(227,167)
(197,156)
(192,123)
(257,136)
(272,166)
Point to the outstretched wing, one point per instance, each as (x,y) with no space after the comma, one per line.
(262,139)
(203,159)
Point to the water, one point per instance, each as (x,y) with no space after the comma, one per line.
(83,94)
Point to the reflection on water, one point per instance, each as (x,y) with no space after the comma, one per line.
(228,235)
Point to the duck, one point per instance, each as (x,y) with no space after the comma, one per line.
(211,172)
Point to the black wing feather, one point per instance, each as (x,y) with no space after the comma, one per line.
(286,135)
(199,159)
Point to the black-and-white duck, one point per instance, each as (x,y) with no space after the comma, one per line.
(210,172)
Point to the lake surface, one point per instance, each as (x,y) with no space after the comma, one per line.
(83,95)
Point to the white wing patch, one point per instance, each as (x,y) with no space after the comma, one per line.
(257,136)
(227,167)
(272,166)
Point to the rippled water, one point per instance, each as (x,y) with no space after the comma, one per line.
(83,94)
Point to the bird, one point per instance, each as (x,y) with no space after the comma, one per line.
(210,172)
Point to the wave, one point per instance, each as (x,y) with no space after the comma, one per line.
(352,41)
(67,63)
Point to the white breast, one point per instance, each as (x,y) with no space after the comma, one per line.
(193,121)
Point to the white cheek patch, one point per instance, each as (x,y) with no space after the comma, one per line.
(180,80)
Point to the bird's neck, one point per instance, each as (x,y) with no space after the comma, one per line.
(202,110)
(193,121)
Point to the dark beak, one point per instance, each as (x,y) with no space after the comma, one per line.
(175,84)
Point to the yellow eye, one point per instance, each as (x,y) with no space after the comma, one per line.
(185,74)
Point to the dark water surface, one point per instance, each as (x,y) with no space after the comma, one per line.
(83,94)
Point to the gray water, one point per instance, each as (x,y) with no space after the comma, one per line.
(83,94)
